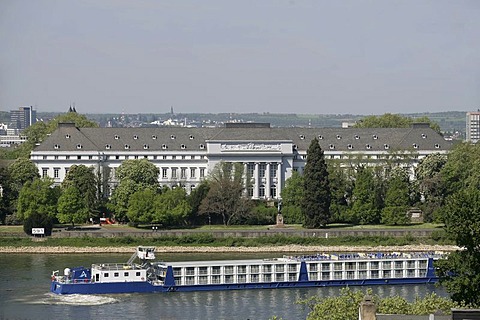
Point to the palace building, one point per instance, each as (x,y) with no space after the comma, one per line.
(186,156)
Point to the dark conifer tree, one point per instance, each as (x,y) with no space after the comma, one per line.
(317,197)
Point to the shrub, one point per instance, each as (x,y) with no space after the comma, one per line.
(38,220)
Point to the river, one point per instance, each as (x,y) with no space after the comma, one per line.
(25,284)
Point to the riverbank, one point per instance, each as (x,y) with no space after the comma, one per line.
(188,249)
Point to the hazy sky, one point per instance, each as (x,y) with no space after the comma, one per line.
(278,56)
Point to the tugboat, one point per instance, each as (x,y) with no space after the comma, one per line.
(317,270)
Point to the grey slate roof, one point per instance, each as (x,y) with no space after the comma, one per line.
(68,138)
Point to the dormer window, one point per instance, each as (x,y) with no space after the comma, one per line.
(368,147)
(415,146)
(350,146)
(67,136)
(164,146)
(424,136)
(117,137)
(135,137)
(127,147)
(294,147)
(202,146)
(386,146)
(154,137)
(183,146)
(339,137)
(375,137)
(357,137)
(108,147)
(331,146)
(302,137)
(437,146)
(57,146)
(320,137)
(79,146)
(145,146)
(172,137)
(191,137)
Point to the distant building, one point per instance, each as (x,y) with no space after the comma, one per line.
(22,118)
(185,156)
(473,126)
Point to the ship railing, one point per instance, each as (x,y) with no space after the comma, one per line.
(66,280)
(116,266)
(361,256)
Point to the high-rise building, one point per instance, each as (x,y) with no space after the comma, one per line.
(473,126)
(23,118)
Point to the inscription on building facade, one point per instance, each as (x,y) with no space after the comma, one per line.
(250,147)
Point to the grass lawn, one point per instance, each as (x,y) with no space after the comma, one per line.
(11,229)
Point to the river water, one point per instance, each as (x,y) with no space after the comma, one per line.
(25,284)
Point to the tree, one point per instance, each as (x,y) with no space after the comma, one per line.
(317,197)
(364,209)
(72,207)
(341,189)
(292,197)
(389,120)
(172,207)
(83,179)
(195,200)
(38,197)
(6,197)
(430,185)
(21,171)
(225,197)
(141,172)
(397,198)
(38,220)
(141,206)
(460,271)
(133,176)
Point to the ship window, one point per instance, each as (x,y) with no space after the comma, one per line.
(229,279)
(105,275)
(126,274)
(137,274)
(116,274)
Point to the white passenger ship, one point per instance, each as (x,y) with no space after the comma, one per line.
(287,272)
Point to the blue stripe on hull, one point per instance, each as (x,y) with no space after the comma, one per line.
(146,287)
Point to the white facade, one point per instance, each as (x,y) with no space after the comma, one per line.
(186,156)
(473,126)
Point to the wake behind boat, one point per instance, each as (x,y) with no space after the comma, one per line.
(319,270)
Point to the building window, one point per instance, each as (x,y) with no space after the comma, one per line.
(164,157)
(90,157)
(164,173)
(273,191)
(183,173)
(79,157)
(202,172)
(250,191)
(135,157)
(67,157)
(174,157)
(55,173)
(183,157)
(192,172)
(117,157)
(56,157)
(273,171)
(44,172)
(66,171)
(261,170)
(44,157)
(174,173)
(250,169)
(261,191)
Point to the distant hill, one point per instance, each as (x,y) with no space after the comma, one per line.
(450,121)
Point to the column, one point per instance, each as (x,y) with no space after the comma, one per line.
(255,181)
(268,181)
(245,180)
(279,180)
